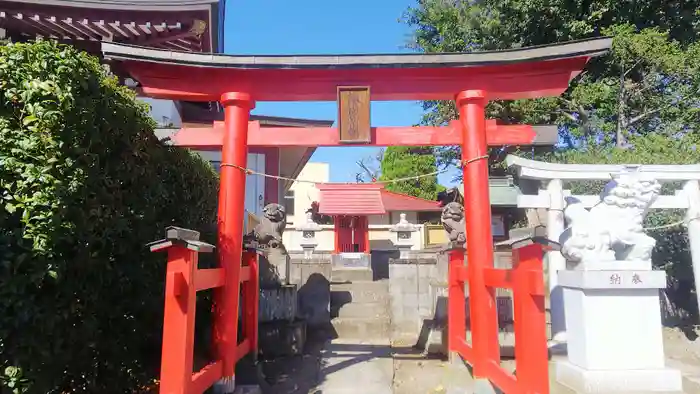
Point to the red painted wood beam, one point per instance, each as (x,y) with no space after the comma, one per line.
(208,278)
(212,137)
(502,82)
(206,377)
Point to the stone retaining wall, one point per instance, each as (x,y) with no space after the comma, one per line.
(312,278)
(418,289)
(409,289)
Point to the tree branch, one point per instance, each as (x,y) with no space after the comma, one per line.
(621,127)
(656,110)
(631,68)
(584,116)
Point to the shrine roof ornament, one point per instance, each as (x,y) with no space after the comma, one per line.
(506,74)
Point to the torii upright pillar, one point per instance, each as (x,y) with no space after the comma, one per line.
(234,154)
(482,301)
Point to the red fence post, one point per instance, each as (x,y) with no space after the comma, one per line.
(531,353)
(456,302)
(251,295)
(178,321)
(482,301)
(180,308)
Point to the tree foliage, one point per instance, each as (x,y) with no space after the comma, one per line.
(369,167)
(638,104)
(403,162)
(84,186)
(649,83)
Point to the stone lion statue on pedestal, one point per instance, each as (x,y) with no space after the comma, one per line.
(274,264)
(272,224)
(612,230)
(453,221)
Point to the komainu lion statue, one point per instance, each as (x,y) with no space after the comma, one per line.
(272,224)
(274,262)
(611,230)
(453,221)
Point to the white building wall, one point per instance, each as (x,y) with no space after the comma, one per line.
(255,185)
(306,192)
(164,112)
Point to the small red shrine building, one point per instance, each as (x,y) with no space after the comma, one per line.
(351,206)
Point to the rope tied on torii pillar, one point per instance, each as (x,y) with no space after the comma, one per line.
(249,171)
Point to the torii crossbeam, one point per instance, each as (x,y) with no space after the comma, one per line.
(496,135)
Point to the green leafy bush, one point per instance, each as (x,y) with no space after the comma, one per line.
(84,185)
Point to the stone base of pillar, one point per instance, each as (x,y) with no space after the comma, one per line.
(225,386)
(647,381)
(248,389)
(614,331)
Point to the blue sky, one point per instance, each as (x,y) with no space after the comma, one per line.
(324,26)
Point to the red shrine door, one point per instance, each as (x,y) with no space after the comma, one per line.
(351,234)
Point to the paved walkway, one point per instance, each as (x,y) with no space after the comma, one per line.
(357,366)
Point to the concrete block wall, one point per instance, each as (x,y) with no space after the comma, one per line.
(312,278)
(410,297)
(418,290)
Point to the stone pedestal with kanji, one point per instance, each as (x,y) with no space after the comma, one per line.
(614,330)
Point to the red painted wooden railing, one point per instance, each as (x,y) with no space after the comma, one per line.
(526,279)
(183,280)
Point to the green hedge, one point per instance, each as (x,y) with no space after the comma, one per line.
(84,186)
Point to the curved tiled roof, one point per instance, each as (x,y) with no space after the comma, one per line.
(368,199)
(141,5)
(186,25)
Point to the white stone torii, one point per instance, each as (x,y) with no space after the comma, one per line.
(552,199)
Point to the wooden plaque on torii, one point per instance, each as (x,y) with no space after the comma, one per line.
(354,125)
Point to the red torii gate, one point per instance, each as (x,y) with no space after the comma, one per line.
(469,79)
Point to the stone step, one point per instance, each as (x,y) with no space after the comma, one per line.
(359,292)
(367,310)
(691,375)
(435,342)
(351,275)
(362,328)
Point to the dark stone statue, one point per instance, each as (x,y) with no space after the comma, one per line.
(268,233)
(274,264)
(453,221)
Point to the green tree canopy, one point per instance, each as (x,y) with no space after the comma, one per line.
(402,162)
(85,185)
(650,82)
(638,104)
